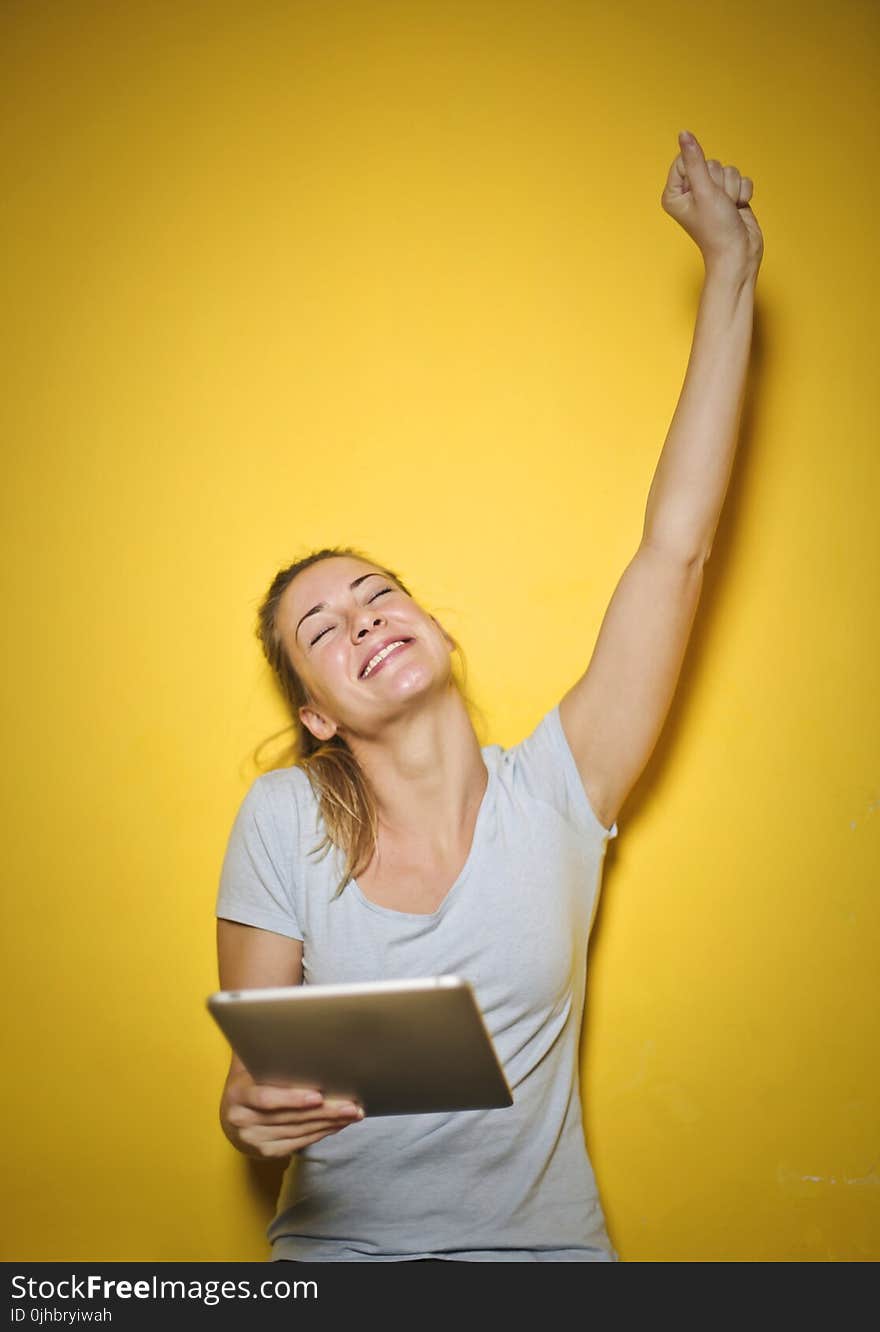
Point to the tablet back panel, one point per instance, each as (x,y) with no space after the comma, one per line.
(400,1047)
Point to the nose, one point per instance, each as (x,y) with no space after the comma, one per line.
(373,620)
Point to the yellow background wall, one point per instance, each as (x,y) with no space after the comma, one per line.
(396,274)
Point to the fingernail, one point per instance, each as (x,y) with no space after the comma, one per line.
(686,137)
(313,1098)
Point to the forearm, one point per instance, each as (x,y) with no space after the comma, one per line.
(690,482)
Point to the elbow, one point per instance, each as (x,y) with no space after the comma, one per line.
(690,556)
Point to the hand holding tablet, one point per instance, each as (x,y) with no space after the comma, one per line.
(269,1122)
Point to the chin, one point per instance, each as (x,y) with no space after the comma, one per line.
(416,680)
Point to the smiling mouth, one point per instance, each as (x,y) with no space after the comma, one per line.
(373,666)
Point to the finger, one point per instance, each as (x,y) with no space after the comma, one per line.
(241,1116)
(731,183)
(270,1132)
(746,190)
(677,172)
(266,1140)
(676,180)
(264,1096)
(331,1114)
(285,1146)
(262,1106)
(695,166)
(716,172)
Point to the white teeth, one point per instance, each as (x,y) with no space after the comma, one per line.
(380,656)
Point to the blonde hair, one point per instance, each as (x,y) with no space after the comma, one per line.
(346,800)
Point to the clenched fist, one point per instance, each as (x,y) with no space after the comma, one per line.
(711,203)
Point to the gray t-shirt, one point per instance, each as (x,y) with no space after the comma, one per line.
(505,1185)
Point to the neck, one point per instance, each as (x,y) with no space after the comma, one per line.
(427,774)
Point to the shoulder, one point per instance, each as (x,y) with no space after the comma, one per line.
(283,783)
(279,802)
(541,768)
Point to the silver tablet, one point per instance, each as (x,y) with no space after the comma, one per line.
(398,1047)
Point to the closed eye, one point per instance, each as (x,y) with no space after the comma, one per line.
(329,627)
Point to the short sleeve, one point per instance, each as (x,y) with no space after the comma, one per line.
(256,880)
(544,768)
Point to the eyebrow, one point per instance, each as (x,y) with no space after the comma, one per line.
(322,605)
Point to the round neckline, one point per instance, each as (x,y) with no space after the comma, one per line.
(462,874)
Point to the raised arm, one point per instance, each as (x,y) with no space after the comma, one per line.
(613,715)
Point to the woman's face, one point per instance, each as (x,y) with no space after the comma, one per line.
(333,618)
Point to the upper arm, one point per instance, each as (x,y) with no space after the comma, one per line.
(249,958)
(613,715)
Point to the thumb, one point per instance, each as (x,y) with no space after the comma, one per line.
(694,164)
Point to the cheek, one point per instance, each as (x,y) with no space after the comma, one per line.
(319,664)
(313,671)
(334,663)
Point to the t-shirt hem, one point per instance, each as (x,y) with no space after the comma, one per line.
(312,1254)
(263,920)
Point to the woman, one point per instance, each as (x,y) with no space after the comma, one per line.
(450,857)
